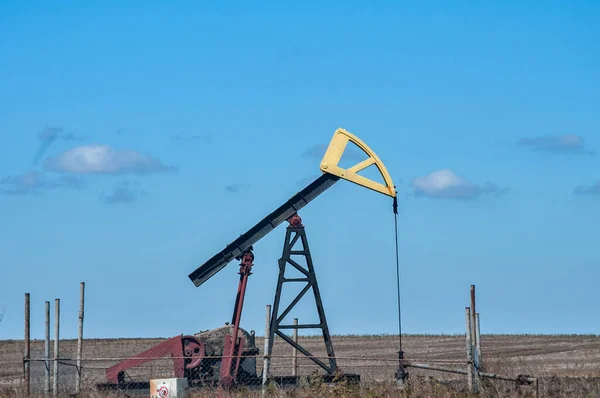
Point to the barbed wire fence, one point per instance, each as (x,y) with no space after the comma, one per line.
(285,371)
(60,368)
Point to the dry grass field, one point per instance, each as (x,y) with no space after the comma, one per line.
(566,365)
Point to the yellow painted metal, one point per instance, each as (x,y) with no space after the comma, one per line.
(331,159)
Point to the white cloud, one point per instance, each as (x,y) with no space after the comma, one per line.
(103,159)
(445,184)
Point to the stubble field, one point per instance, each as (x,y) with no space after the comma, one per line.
(567,365)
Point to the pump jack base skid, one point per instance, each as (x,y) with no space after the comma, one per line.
(253,383)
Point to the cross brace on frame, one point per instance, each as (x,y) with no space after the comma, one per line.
(295,232)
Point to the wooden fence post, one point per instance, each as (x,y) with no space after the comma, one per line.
(471,368)
(80,338)
(27,353)
(56,345)
(47,349)
(478,333)
(266,353)
(474,341)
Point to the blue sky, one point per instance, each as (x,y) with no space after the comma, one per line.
(139,139)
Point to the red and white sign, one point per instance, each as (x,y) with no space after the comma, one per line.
(168,388)
(163,392)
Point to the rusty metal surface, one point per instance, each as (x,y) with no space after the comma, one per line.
(214,339)
(295,220)
(177,347)
(204,357)
(233,346)
(193,350)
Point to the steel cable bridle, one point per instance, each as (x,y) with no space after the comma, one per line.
(395,207)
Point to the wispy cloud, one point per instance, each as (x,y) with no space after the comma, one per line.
(103,159)
(48,136)
(124,192)
(189,138)
(235,188)
(568,143)
(593,189)
(445,184)
(35,182)
(50,133)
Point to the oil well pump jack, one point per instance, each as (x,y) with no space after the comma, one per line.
(233,345)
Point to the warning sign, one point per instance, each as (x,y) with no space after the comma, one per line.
(163,392)
(168,388)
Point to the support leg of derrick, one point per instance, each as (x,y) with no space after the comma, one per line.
(295,233)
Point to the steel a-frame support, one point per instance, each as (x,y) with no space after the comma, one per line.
(295,232)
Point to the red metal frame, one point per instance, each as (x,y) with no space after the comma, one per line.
(183,347)
(173,346)
(233,346)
